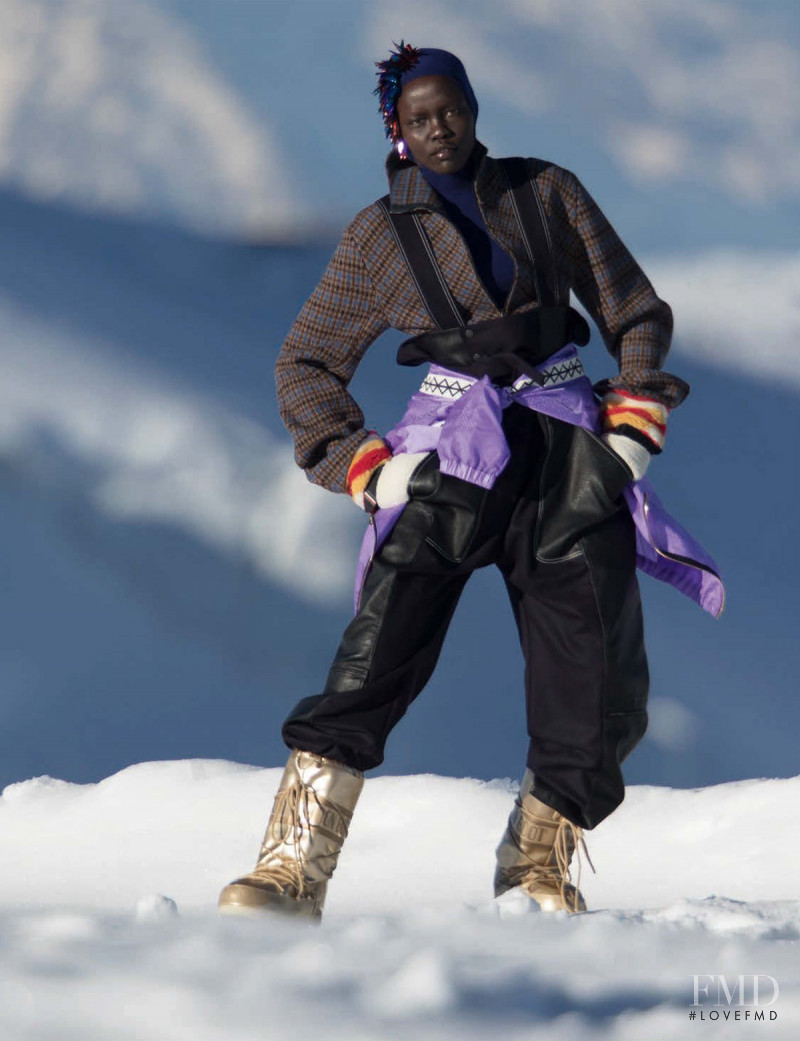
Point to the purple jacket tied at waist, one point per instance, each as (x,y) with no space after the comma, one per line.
(461,417)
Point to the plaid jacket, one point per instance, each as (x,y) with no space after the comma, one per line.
(367,289)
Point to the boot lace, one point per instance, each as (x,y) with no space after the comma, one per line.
(292,816)
(569,838)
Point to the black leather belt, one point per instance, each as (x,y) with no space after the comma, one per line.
(501,348)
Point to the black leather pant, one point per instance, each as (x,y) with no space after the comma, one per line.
(556,527)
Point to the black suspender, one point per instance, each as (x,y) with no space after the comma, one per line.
(424,267)
(427,274)
(530,214)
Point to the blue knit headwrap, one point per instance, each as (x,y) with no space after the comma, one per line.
(408,63)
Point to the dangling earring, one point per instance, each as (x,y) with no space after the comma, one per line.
(401,148)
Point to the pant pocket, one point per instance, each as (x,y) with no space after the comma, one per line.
(582,486)
(414,523)
(453,508)
(425,480)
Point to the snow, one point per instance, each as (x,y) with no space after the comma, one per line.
(113,104)
(712,295)
(148,449)
(108,927)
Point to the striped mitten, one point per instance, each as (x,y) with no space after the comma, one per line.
(370,455)
(634,427)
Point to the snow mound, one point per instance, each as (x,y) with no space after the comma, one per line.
(183,827)
(412,945)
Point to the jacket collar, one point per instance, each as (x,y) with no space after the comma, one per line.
(409,191)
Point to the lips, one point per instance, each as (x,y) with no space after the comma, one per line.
(444,152)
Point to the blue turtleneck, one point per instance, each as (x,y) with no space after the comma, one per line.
(494,266)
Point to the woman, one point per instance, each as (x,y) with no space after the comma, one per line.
(506,456)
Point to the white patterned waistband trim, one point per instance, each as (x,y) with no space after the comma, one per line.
(451,388)
(445,387)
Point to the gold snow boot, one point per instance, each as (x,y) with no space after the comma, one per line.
(535,852)
(309,823)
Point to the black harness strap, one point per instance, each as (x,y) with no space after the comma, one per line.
(427,274)
(424,268)
(530,214)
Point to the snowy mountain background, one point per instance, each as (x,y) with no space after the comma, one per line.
(171,584)
(682,118)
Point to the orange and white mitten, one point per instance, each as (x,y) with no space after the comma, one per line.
(634,427)
(370,455)
(376,479)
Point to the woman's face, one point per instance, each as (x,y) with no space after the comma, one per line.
(437,123)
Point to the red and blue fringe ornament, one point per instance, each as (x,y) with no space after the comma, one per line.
(390,74)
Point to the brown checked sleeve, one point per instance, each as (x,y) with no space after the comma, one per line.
(326,342)
(636,325)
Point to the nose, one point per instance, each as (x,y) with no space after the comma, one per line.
(440,129)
